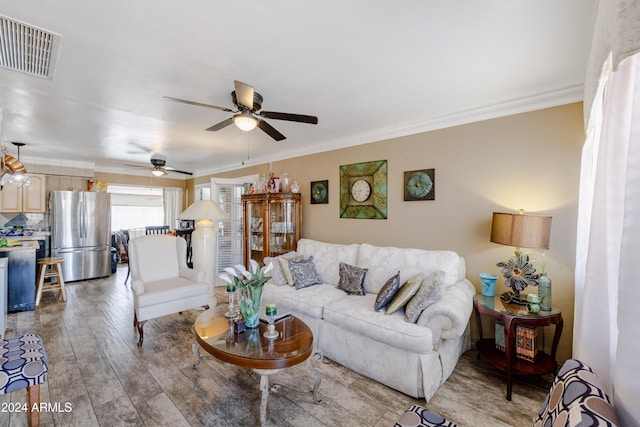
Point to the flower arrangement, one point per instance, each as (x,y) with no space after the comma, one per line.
(518,272)
(250,284)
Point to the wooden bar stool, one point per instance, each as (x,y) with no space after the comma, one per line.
(50,268)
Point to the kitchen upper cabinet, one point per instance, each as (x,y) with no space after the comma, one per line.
(26,199)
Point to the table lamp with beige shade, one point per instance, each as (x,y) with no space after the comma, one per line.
(522,231)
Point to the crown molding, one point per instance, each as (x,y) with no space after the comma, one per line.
(562,96)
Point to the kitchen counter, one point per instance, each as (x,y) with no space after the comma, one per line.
(41,235)
(25,244)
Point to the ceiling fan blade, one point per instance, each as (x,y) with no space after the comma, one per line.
(244,94)
(170,169)
(137,166)
(290,117)
(223,124)
(270,130)
(198,104)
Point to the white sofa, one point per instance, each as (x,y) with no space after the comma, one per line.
(414,358)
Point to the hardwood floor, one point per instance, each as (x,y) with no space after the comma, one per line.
(98,376)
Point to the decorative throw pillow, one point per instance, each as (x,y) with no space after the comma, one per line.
(404,295)
(430,291)
(351,279)
(304,272)
(387,292)
(276,274)
(285,268)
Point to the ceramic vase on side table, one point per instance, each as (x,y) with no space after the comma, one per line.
(544,292)
(488,284)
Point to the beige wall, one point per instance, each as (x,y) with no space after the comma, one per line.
(68,178)
(529,161)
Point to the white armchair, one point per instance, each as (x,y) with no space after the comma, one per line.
(161,282)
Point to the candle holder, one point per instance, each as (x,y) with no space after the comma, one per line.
(271,312)
(231,291)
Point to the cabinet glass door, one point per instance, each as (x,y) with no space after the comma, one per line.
(256,229)
(283,232)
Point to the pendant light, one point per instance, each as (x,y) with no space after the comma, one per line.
(19,177)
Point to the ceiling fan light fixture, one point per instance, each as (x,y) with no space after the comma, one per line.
(245,121)
(158,171)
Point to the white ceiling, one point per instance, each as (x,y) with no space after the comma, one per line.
(369,70)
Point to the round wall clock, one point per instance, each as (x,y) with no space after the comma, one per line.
(363,190)
(320,192)
(360,190)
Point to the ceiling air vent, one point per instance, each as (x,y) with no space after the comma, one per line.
(27,49)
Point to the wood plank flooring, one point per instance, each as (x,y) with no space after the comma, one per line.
(99,377)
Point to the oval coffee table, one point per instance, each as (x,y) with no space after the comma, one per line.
(251,350)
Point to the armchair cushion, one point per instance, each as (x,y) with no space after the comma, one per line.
(156,258)
(168,290)
(192,274)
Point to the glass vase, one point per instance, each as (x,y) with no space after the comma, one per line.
(250,300)
(544,292)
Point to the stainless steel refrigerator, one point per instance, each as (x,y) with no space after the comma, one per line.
(81,233)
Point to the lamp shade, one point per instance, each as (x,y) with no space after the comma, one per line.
(521,231)
(12,164)
(204,209)
(245,121)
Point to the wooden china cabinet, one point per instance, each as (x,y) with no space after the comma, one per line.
(271,224)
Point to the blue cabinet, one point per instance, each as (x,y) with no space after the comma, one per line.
(21,278)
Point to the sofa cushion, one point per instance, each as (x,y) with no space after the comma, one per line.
(351,279)
(430,291)
(277,273)
(357,315)
(328,256)
(383,262)
(387,292)
(404,295)
(304,272)
(309,301)
(169,290)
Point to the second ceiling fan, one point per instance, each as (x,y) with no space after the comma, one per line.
(248,115)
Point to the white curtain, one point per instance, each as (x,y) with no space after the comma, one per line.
(608,244)
(616,34)
(172,201)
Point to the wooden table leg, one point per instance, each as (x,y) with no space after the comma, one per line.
(509,345)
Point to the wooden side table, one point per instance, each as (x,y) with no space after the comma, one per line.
(512,315)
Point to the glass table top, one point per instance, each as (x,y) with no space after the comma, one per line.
(218,337)
(496,304)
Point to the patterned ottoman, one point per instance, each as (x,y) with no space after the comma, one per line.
(576,399)
(23,363)
(417,416)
